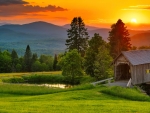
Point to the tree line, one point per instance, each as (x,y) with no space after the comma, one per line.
(11,62)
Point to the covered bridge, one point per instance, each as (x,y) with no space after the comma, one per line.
(134,65)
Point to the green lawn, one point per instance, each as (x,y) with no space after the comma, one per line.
(81,99)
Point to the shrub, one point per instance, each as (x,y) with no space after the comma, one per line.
(127,93)
(44,79)
(13,80)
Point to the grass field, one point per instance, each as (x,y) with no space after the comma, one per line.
(15,98)
(81,99)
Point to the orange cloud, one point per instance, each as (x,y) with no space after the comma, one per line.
(19,9)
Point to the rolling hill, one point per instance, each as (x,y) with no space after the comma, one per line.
(43,38)
(47,38)
(141,39)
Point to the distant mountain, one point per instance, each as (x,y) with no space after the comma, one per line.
(67,26)
(103,32)
(44,38)
(141,39)
(3,23)
(47,38)
(92,30)
(39,27)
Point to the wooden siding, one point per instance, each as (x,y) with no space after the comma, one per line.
(139,75)
(121,59)
(139,64)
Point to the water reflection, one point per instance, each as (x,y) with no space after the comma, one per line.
(63,86)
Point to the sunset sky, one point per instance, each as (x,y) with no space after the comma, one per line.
(101,13)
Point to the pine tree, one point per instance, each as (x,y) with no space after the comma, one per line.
(15,60)
(119,39)
(27,59)
(34,57)
(77,36)
(55,63)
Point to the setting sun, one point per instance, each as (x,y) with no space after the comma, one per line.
(133,20)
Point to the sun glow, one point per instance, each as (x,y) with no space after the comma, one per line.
(133,20)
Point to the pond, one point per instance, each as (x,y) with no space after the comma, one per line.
(63,86)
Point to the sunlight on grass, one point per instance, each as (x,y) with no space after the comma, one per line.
(81,99)
(20,74)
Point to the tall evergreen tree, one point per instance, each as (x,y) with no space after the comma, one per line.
(119,39)
(34,57)
(77,36)
(27,59)
(55,63)
(15,60)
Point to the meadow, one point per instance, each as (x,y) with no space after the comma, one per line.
(84,98)
(13,75)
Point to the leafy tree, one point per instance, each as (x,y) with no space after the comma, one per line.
(144,47)
(77,36)
(44,67)
(48,60)
(71,66)
(36,66)
(18,67)
(119,39)
(5,62)
(15,60)
(102,63)
(27,59)
(91,53)
(133,48)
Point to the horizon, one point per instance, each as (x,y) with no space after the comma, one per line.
(129,26)
(96,13)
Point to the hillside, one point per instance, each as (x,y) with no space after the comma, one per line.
(47,38)
(67,26)
(141,39)
(43,38)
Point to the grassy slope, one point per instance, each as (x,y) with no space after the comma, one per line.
(89,100)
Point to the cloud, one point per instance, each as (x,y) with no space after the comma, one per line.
(12,2)
(20,9)
(138,7)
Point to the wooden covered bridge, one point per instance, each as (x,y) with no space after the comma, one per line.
(133,66)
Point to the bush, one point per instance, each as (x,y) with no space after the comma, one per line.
(44,79)
(127,93)
(41,79)
(13,80)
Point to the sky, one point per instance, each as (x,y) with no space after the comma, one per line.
(100,13)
